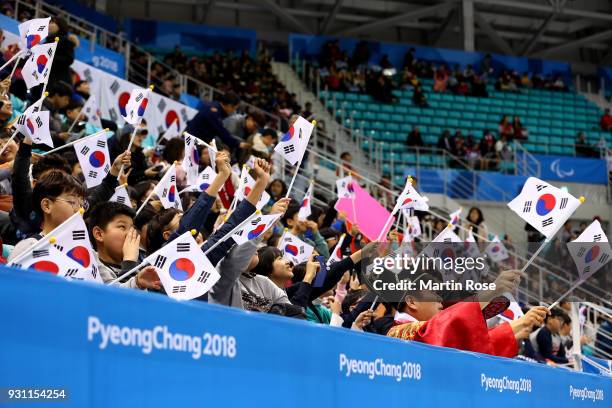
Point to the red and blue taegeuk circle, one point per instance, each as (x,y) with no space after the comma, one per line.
(45,266)
(291,249)
(142,106)
(32,40)
(30,126)
(41,63)
(122,101)
(172,117)
(304,202)
(97,159)
(545,204)
(181,269)
(592,254)
(80,255)
(204,186)
(172,193)
(288,136)
(255,232)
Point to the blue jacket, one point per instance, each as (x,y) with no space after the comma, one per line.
(208,124)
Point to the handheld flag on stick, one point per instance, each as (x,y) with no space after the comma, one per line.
(38,66)
(410,198)
(34,123)
(136,106)
(93,135)
(93,156)
(255,228)
(191,160)
(590,252)
(496,250)
(513,311)
(455,217)
(293,144)
(92,114)
(184,270)
(544,207)
(121,196)
(246,185)
(294,249)
(336,254)
(203,181)
(32,32)
(50,260)
(305,209)
(166,191)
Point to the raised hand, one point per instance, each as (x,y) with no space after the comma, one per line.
(280,207)
(124,159)
(222,162)
(131,245)
(147,278)
(262,170)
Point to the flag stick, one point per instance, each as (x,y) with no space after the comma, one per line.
(373,303)
(535,254)
(295,172)
(74,142)
(280,241)
(8,141)
(397,222)
(7,63)
(145,202)
(52,58)
(232,232)
(128,149)
(574,286)
(390,218)
(128,273)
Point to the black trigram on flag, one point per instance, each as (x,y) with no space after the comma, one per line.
(107,168)
(289,149)
(256,221)
(188,140)
(183,247)
(40,253)
(540,187)
(71,272)
(101,143)
(87,74)
(161,105)
(78,235)
(527,206)
(172,178)
(596,237)
(94,271)
(50,51)
(448,240)
(165,192)
(203,277)
(179,289)
(581,252)
(21,119)
(93,174)
(160,261)
(84,150)
(113,114)
(41,28)
(563,203)
(300,134)
(547,222)
(114,87)
(121,199)
(139,97)
(39,122)
(59,247)
(586,270)
(603,258)
(205,176)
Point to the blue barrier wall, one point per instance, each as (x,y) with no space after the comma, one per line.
(573,169)
(461,184)
(310,46)
(113,347)
(99,57)
(193,38)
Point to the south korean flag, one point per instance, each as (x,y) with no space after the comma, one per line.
(34,124)
(336,254)
(191,160)
(294,249)
(121,196)
(183,269)
(32,32)
(36,69)
(50,260)
(255,228)
(590,251)
(246,185)
(166,190)
(443,251)
(293,144)
(91,111)
(136,106)
(93,156)
(543,206)
(412,229)
(203,181)
(345,187)
(496,251)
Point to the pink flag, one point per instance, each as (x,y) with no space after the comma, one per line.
(371,216)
